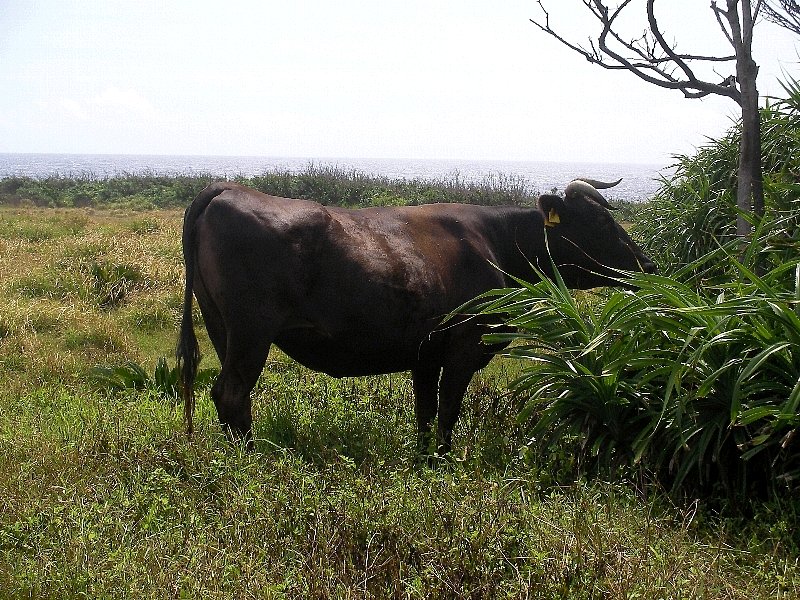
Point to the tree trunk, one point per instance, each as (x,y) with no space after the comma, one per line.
(750,192)
(750,188)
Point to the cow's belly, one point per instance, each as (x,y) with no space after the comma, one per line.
(349,355)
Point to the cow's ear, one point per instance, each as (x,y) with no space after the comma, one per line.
(553,209)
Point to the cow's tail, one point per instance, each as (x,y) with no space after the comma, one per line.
(187,353)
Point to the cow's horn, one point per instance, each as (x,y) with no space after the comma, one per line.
(589,188)
(598,185)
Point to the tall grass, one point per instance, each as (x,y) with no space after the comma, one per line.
(79,289)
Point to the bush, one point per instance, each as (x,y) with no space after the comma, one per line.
(694,378)
(700,388)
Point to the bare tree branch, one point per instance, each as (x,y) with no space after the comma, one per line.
(654,60)
(759,6)
(648,56)
(654,28)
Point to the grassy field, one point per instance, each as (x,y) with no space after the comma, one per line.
(102,495)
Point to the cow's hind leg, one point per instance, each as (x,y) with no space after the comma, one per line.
(215,324)
(426,391)
(244,360)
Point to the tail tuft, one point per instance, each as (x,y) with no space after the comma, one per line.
(187,355)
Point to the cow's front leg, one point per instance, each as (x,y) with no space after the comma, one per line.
(426,390)
(452,388)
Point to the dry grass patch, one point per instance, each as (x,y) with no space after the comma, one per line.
(73,294)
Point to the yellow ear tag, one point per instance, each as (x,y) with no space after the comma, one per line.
(552,218)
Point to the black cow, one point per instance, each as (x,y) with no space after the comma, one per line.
(360,292)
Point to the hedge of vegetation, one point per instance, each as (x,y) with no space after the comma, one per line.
(326,184)
(329,185)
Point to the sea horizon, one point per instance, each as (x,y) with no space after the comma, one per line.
(639,180)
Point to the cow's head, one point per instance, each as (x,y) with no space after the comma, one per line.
(585,241)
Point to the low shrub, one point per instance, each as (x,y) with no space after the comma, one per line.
(130,375)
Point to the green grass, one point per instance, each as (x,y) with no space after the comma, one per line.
(102,495)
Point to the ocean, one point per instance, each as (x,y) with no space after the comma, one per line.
(639,181)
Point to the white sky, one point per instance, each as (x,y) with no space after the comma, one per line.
(462,79)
